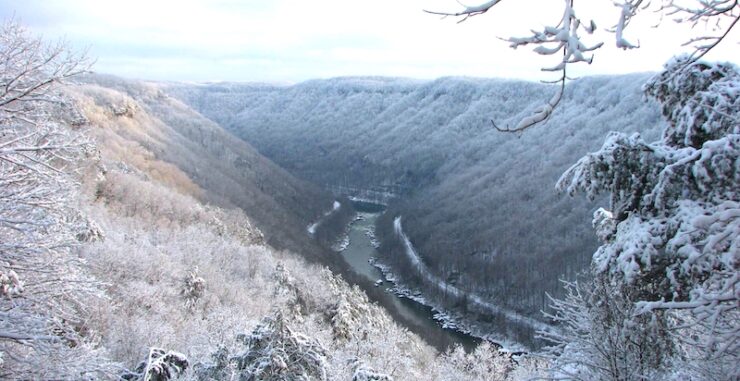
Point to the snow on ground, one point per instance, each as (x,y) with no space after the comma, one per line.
(446,319)
(311,229)
(413,256)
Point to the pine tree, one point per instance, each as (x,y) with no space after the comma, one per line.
(667,272)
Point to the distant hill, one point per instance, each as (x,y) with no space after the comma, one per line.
(479,205)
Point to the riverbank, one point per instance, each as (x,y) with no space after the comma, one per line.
(443,327)
(453,307)
(447,319)
(358,254)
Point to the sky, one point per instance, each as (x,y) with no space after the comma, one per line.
(288,41)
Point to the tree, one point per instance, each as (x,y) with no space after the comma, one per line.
(42,284)
(671,239)
(664,299)
(272,352)
(600,339)
(565,39)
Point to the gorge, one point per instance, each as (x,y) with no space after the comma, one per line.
(478,205)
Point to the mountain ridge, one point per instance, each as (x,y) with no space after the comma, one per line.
(477,201)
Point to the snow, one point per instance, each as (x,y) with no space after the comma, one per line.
(424,271)
(311,229)
(672,235)
(482,7)
(447,320)
(624,17)
(370,233)
(342,243)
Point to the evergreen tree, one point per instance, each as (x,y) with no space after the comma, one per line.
(671,239)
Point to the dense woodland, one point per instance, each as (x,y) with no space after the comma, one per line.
(230,171)
(142,241)
(150,271)
(480,206)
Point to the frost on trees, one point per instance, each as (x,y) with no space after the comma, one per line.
(672,234)
(272,351)
(363,372)
(193,288)
(351,314)
(563,38)
(599,338)
(41,313)
(160,365)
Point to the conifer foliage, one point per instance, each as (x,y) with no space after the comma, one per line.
(671,238)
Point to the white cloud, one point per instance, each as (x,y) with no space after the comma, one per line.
(294,40)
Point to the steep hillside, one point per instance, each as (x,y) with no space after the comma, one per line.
(479,205)
(180,148)
(191,289)
(160,133)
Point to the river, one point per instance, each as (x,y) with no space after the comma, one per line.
(417,317)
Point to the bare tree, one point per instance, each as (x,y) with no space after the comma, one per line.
(43,287)
(599,337)
(664,297)
(563,39)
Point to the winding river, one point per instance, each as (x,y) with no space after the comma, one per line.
(358,254)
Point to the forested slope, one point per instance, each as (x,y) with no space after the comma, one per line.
(189,290)
(480,205)
(230,173)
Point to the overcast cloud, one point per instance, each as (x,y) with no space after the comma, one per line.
(295,40)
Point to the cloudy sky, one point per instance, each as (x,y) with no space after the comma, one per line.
(295,40)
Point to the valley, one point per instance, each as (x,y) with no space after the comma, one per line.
(175,199)
(301,191)
(361,252)
(478,205)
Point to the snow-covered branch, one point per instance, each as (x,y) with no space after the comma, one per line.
(563,37)
(671,239)
(469,11)
(24,58)
(628,10)
(540,114)
(42,285)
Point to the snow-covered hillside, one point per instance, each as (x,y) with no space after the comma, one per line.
(480,205)
(192,290)
(229,171)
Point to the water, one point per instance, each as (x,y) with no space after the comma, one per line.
(416,317)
